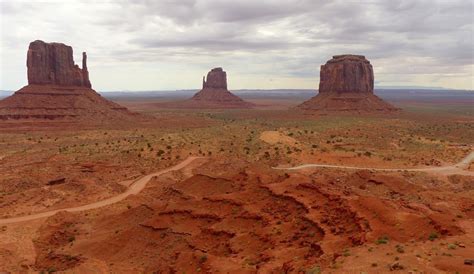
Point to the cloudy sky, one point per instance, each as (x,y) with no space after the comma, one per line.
(171,44)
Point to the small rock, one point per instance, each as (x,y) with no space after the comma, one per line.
(396,266)
(469,261)
(56,181)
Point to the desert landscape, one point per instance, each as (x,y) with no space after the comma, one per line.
(343,178)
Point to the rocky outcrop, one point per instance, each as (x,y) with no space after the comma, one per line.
(53,64)
(216,78)
(214,94)
(347,74)
(347,84)
(59,90)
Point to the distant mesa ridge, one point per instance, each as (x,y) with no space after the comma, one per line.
(347,84)
(58,89)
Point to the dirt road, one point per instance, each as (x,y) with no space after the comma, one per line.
(458,168)
(134,189)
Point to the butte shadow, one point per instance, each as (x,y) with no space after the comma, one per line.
(347,85)
(213,95)
(58,90)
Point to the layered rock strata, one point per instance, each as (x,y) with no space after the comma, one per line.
(347,84)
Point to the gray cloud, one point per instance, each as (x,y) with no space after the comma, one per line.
(424,40)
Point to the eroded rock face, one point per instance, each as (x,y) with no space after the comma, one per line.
(216,78)
(214,93)
(347,85)
(53,64)
(59,90)
(347,74)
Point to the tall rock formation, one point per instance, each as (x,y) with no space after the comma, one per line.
(58,89)
(214,93)
(347,84)
(347,74)
(53,64)
(216,79)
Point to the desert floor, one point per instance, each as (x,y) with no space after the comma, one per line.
(197,191)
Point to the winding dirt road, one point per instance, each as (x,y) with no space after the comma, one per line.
(458,168)
(134,189)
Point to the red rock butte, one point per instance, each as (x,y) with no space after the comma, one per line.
(58,89)
(347,85)
(214,93)
(53,64)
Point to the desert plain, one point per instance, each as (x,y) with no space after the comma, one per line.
(232,207)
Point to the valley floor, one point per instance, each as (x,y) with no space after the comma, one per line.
(195,191)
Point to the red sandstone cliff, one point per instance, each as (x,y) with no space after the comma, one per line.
(58,89)
(53,64)
(347,84)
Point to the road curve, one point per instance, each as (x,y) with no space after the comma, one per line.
(453,169)
(134,189)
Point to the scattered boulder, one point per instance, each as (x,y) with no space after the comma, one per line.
(396,266)
(347,84)
(57,181)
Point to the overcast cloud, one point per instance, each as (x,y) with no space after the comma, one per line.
(171,44)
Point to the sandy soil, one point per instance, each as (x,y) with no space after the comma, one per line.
(230,212)
(275,137)
(455,169)
(133,189)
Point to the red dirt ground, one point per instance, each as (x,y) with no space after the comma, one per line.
(230,212)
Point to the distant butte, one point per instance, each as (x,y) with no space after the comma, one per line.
(347,85)
(213,95)
(58,89)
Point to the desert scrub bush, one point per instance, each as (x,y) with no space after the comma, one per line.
(433,236)
(452,246)
(400,248)
(314,270)
(382,240)
(203,259)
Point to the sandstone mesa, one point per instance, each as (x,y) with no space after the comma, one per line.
(52,63)
(347,84)
(214,93)
(58,89)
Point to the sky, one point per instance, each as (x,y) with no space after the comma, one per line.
(264,44)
